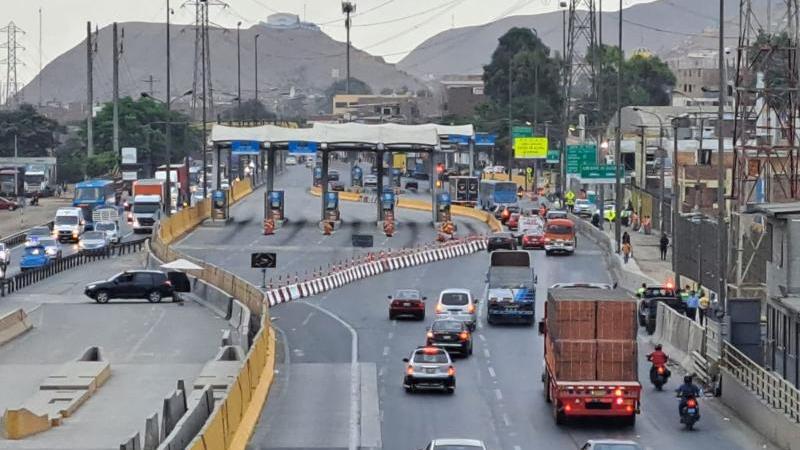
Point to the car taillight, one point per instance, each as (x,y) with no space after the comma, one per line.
(451,371)
(470,309)
(463,336)
(691,403)
(430,334)
(410,370)
(618,393)
(546,240)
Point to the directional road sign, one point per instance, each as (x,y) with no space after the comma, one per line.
(263,260)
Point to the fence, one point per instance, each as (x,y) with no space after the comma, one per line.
(18,238)
(27,278)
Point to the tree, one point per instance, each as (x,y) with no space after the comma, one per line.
(523,57)
(36,134)
(387,91)
(249,110)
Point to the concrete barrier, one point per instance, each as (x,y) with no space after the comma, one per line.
(59,395)
(200,407)
(212,298)
(220,373)
(14,324)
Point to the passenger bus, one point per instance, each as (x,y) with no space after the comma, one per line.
(93,194)
(492,192)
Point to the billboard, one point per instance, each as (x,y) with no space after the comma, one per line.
(128,155)
(530,148)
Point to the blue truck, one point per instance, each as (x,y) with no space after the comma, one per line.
(510,292)
(93,194)
(494,192)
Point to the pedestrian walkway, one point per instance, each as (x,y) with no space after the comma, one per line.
(646,258)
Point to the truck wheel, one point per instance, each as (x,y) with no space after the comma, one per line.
(629,421)
(560,418)
(546,387)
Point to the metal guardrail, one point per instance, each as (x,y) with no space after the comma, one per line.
(27,278)
(18,238)
(777,392)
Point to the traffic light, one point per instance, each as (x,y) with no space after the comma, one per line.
(440,168)
(438,183)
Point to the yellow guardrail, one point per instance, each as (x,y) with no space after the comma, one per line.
(233,419)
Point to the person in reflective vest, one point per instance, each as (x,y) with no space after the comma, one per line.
(570,200)
(640,292)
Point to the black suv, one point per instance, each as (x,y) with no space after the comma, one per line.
(147,284)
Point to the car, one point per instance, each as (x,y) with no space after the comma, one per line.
(111,229)
(455,444)
(501,241)
(34,257)
(52,248)
(457,304)
(5,254)
(335,185)
(290,161)
(333,175)
(584,208)
(34,234)
(7,203)
(371,181)
(93,242)
(152,285)
(533,238)
(429,367)
(556,214)
(407,302)
(451,335)
(648,305)
(412,186)
(310,163)
(610,444)
(560,237)
(513,222)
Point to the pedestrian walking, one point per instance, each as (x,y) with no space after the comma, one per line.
(626,238)
(691,305)
(626,251)
(663,244)
(703,304)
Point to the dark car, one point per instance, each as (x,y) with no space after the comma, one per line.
(648,305)
(8,204)
(412,186)
(333,175)
(408,303)
(501,241)
(451,335)
(151,285)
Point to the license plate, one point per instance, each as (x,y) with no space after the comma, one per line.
(430,371)
(406,304)
(691,410)
(447,338)
(599,393)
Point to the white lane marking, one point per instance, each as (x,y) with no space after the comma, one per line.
(517,447)
(506,421)
(140,342)
(355,378)
(385,351)
(390,335)
(491,372)
(481,337)
(498,394)
(486,353)
(308,317)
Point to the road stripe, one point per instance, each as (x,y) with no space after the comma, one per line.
(486,353)
(491,372)
(498,394)
(385,351)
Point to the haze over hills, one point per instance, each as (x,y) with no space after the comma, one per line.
(659,26)
(306,59)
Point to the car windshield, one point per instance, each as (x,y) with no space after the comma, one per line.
(34,251)
(501,236)
(49,242)
(93,235)
(447,325)
(616,447)
(39,232)
(455,299)
(430,358)
(66,220)
(535,230)
(407,294)
(146,208)
(559,229)
(88,194)
(108,226)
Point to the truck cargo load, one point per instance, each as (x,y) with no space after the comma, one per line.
(463,190)
(510,288)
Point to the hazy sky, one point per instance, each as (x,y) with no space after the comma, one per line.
(390,28)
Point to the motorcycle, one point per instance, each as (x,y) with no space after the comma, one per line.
(690,412)
(659,374)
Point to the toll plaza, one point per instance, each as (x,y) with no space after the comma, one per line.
(443,203)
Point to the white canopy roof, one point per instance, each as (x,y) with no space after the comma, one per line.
(262,133)
(181,264)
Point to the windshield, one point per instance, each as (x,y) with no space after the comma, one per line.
(66,220)
(457,447)
(559,229)
(407,294)
(425,358)
(88,194)
(39,232)
(146,208)
(34,178)
(104,227)
(94,235)
(447,325)
(615,447)
(34,251)
(49,242)
(455,299)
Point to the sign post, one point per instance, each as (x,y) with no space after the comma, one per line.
(263,261)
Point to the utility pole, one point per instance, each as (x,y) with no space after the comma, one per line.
(89,90)
(348,8)
(150,81)
(115,89)
(510,123)
(722,235)
(255,41)
(168,125)
(239,68)
(203,144)
(617,152)
(40,56)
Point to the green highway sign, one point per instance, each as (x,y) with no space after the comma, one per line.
(518,132)
(595,171)
(553,156)
(579,156)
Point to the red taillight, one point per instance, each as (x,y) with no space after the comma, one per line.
(691,403)
(618,393)
(568,408)
(463,336)
(660,370)
(451,371)
(410,370)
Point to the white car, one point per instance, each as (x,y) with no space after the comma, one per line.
(458,304)
(291,161)
(455,444)
(584,208)
(371,181)
(111,229)
(5,254)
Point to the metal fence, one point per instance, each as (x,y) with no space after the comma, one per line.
(27,278)
(697,250)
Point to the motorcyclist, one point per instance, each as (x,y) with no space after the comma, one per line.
(686,390)
(658,358)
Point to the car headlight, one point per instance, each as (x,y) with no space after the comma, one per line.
(51,251)
(75,233)
(91,286)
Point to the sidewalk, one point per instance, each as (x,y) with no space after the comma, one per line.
(12,222)
(646,258)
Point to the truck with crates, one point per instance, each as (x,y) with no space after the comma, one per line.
(510,292)
(590,353)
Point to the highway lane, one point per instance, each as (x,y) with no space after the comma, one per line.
(499,395)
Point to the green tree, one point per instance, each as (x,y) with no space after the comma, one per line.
(36,135)
(523,57)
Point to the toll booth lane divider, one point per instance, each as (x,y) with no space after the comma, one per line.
(421,205)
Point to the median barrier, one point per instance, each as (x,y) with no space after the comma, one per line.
(18,238)
(14,324)
(59,395)
(220,373)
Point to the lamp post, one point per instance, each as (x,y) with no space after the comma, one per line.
(618,150)
(510,126)
(255,40)
(239,66)
(348,8)
(661,157)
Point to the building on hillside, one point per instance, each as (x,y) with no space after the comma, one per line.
(383,108)
(288,21)
(697,79)
(461,94)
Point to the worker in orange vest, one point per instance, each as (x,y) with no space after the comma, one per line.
(269,226)
(388,227)
(327,228)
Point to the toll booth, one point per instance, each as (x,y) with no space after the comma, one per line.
(443,202)
(357,176)
(387,204)
(219,205)
(332,206)
(396,174)
(275,205)
(318,176)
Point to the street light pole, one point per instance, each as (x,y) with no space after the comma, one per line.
(348,8)
(510,125)
(168,134)
(722,296)
(676,203)
(239,67)
(255,39)
(661,157)
(617,150)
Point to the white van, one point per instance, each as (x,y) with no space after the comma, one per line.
(68,224)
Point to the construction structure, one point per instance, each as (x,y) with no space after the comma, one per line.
(10,96)
(764,165)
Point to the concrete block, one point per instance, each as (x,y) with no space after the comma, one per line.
(211,297)
(88,372)
(221,372)
(22,422)
(133,443)
(201,405)
(14,324)
(152,433)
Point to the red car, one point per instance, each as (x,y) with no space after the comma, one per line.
(408,303)
(533,238)
(8,204)
(513,222)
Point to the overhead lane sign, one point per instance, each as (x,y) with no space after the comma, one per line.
(245,147)
(302,148)
(530,148)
